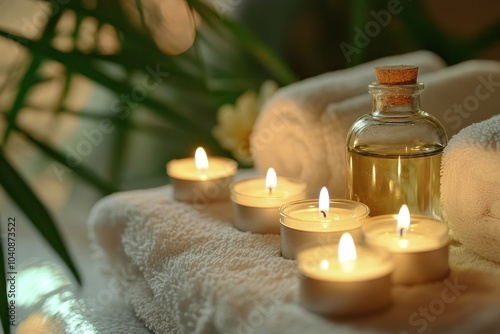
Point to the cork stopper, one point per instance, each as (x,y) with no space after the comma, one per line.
(396,74)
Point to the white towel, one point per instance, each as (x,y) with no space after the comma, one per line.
(185,271)
(302,130)
(470,187)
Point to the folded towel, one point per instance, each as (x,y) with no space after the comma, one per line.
(470,187)
(458,96)
(189,271)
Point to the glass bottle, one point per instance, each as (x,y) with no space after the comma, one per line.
(393,154)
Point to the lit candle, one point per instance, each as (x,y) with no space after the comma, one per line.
(345,279)
(309,223)
(201,180)
(419,245)
(256,201)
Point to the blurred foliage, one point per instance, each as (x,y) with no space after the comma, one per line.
(307,34)
(215,70)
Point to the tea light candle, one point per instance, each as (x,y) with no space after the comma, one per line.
(345,279)
(200,180)
(256,201)
(419,245)
(310,223)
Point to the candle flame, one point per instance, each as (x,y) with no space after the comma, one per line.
(347,252)
(271,180)
(324,202)
(403,220)
(324,264)
(201,160)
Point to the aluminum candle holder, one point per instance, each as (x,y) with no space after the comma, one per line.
(256,209)
(337,284)
(302,225)
(201,185)
(420,254)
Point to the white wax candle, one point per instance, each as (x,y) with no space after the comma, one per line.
(253,192)
(424,234)
(201,180)
(305,216)
(420,249)
(411,242)
(344,280)
(315,222)
(311,220)
(185,169)
(368,266)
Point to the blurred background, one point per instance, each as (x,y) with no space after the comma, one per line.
(97,95)
(308,34)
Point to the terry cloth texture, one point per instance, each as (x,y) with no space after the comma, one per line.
(470,187)
(185,270)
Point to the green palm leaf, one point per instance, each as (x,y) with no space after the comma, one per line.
(21,194)
(228,27)
(80,63)
(86,174)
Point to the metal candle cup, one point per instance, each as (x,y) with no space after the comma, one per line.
(421,255)
(331,290)
(201,186)
(256,209)
(302,226)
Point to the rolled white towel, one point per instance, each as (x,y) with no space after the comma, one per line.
(458,96)
(470,187)
(293,134)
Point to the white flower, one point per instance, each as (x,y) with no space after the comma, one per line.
(235,122)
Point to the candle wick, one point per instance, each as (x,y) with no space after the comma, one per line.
(401,231)
(324,213)
(270,190)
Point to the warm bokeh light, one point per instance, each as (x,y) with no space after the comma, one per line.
(324,264)
(173,25)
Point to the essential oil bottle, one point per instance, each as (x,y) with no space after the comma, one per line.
(394,152)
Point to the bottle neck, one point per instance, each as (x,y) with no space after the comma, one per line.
(396,100)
